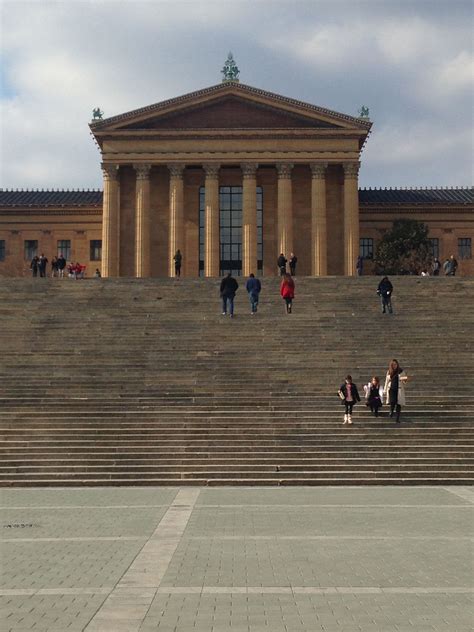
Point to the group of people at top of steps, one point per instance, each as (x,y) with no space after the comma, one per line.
(393,391)
(59,267)
(450,266)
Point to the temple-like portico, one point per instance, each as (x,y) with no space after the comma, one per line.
(213,176)
(300,161)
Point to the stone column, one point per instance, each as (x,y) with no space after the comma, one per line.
(351,217)
(110,222)
(142,221)
(249,218)
(285,210)
(212,235)
(176,235)
(319,264)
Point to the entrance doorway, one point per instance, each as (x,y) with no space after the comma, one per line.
(230,230)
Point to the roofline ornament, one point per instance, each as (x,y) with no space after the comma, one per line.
(230,72)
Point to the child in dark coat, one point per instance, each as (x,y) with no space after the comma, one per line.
(373,395)
(349,397)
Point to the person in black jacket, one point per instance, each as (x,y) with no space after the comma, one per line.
(385,290)
(293,261)
(349,397)
(34,265)
(281,263)
(61,262)
(178,258)
(228,289)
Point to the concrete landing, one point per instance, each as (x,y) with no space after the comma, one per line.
(302,559)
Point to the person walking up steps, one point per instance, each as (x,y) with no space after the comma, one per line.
(253,287)
(349,397)
(394,389)
(385,291)
(373,395)
(287,291)
(228,289)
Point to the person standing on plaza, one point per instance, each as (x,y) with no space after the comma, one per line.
(436,266)
(394,389)
(287,291)
(349,397)
(54,267)
(373,395)
(360,265)
(292,262)
(34,265)
(43,261)
(178,258)
(253,287)
(228,289)
(453,265)
(385,290)
(281,263)
(61,262)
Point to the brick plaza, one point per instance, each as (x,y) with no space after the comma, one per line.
(345,559)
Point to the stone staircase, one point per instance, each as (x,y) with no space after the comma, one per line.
(143,382)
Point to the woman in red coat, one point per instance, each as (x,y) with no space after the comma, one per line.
(287,291)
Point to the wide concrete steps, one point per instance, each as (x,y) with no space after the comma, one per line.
(148,384)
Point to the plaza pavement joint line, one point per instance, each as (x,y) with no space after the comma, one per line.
(128,603)
(466,493)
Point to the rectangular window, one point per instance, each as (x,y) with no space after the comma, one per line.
(366,247)
(31,249)
(2,250)
(64,248)
(434,244)
(464,248)
(96,249)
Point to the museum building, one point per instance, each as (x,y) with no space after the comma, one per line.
(232,176)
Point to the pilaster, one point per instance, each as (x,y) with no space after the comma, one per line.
(212,236)
(351,217)
(142,221)
(285,209)
(176,197)
(318,219)
(110,221)
(249,218)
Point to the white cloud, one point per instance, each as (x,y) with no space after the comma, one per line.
(61,59)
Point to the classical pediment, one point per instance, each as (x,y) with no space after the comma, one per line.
(229,106)
(228,112)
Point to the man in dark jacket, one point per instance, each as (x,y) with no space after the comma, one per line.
(281,263)
(253,287)
(43,260)
(61,263)
(385,290)
(293,261)
(228,289)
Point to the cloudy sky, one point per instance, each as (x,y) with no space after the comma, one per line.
(410,61)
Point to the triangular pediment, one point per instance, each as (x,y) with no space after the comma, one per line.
(229,106)
(228,112)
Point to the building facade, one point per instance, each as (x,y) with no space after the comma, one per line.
(231,176)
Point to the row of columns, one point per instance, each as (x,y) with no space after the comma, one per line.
(111,218)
